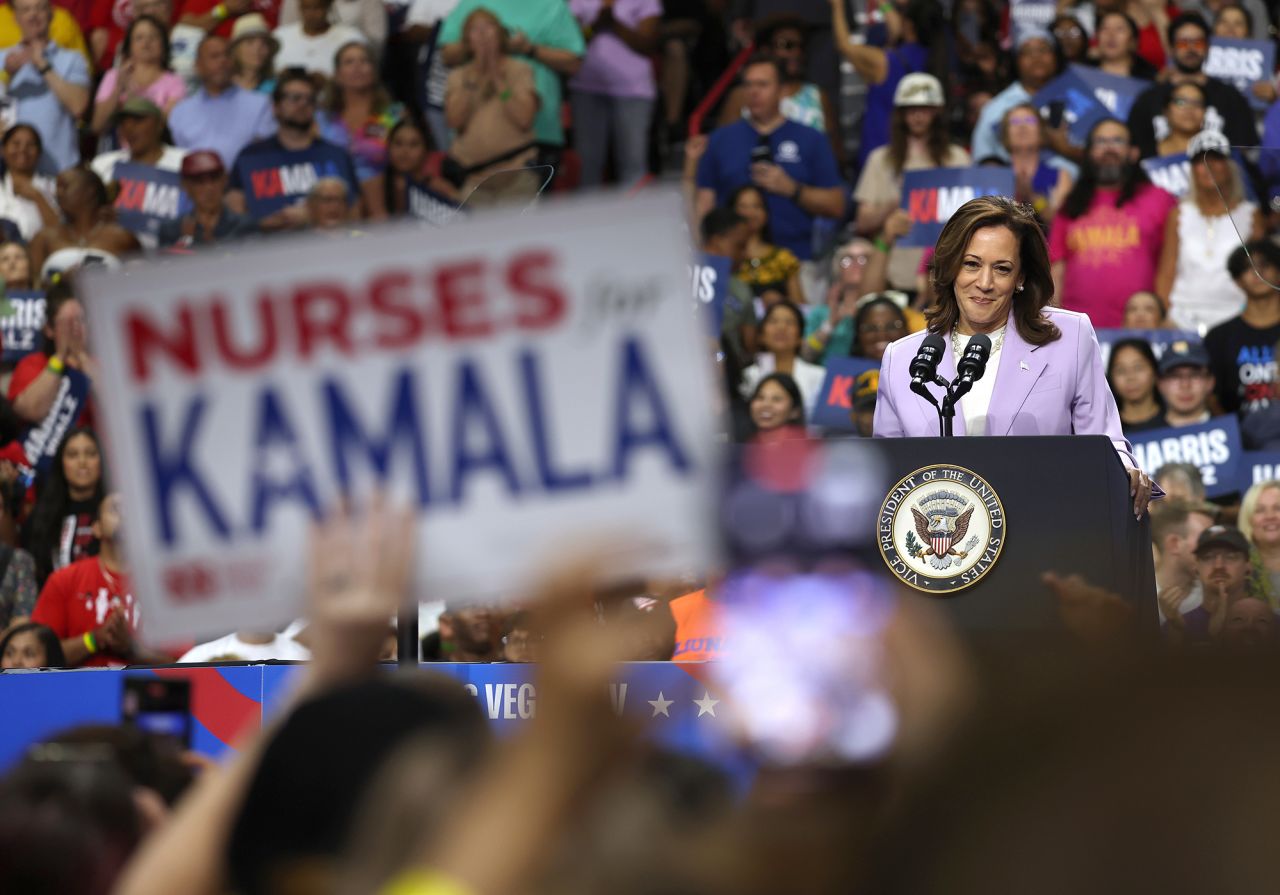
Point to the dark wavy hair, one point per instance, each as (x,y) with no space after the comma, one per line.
(53,654)
(1081,196)
(52,500)
(765,232)
(1143,347)
(1033,253)
(393,198)
(789,307)
(860,317)
(788,385)
(127,42)
(938,140)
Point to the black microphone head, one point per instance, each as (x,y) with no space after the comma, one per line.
(925,364)
(980,341)
(974,362)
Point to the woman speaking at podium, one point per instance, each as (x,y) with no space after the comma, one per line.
(1044,373)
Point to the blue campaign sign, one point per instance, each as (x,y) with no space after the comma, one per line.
(1214,447)
(1172,173)
(832,409)
(932,196)
(1241,63)
(710,278)
(1259,466)
(147,198)
(273,181)
(1160,340)
(1024,14)
(21,324)
(425,204)
(1115,92)
(1081,108)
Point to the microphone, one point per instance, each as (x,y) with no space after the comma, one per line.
(972,365)
(924,366)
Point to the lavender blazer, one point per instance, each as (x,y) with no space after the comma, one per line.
(1054,389)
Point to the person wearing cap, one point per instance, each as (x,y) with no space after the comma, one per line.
(204,180)
(1036,62)
(1242,349)
(919,141)
(1186,384)
(49,86)
(1227,111)
(862,402)
(1200,236)
(141,72)
(220,115)
(141,126)
(793,164)
(1222,564)
(1105,240)
(253,52)
(911,46)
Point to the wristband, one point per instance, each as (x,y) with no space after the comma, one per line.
(881,245)
(56,365)
(815,343)
(89,643)
(795,195)
(220,12)
(425,882)
(505,95)
(46,68)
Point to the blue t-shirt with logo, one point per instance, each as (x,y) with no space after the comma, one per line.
(802,152)
(273,177)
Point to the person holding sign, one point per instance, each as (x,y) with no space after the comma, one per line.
(1044,377)
(1242,350)
(140,123)
(406,170)
(1201,234)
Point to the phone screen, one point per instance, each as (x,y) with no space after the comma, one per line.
(159,706)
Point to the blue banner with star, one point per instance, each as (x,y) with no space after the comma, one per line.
(680,710)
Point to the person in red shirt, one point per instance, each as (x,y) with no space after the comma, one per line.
(218,16)
(90,603)
(38,376)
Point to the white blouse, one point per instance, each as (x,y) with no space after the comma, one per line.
(973,406)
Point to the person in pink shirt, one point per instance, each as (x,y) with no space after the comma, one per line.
(143,71)
(613,93)
(1105,242)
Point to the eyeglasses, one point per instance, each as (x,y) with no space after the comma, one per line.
(1190,43)
(1183,102)
(848,261)
(1068,31)
(1024,119)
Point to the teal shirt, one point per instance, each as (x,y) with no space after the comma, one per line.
(841,342)
(547,23)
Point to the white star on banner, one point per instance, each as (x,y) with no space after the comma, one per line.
(706,705)
(660,705)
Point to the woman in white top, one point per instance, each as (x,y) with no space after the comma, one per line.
(781,335)
(313,42)
(26,198)
(1201,234)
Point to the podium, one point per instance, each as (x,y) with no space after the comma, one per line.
(1066,508)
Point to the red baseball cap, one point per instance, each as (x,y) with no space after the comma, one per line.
(202,161)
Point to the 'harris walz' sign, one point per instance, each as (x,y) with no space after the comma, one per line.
(1213,447)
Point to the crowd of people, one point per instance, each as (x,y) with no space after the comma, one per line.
(791,128)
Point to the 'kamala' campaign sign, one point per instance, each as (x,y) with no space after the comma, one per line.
(1160,340)
(524,382)
(834,401)
(1080,106)
(1259,466)
(1242,63)
(710,278)
(273,181)
(21,324)
(148,197)
(932,196)
(1214,447)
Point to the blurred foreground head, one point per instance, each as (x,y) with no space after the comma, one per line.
(1155,776)
(302,807)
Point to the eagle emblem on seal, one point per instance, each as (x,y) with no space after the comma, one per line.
(941,521)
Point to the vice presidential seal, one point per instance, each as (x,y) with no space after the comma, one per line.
(941,528)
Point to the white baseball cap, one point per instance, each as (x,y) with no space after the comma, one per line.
(919,89)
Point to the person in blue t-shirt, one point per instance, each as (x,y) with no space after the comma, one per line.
(272,178)
(793,164)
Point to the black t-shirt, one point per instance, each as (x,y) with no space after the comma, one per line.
(1242,359)
(1152,422)
(1237,117)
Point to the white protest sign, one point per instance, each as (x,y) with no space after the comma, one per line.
(531,383)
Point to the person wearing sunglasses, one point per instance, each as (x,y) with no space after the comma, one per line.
(783,38)
(258,187)
(1226,110)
